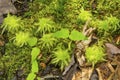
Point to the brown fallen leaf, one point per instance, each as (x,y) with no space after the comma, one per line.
(112,48)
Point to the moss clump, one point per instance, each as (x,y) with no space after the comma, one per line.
(61,58)
(12,23)
(21,38)
(47,41)
(45,25)
(95,54)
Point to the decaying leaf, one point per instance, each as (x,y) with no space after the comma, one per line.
(84,74)
(112,48)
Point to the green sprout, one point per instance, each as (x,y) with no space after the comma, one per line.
(21,38)
(61,58)
(45,25)
(95,54)
(12,23)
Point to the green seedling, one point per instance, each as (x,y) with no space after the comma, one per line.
(74,35)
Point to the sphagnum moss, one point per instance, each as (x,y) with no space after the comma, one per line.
(12,23)
(95,54)
(61,58)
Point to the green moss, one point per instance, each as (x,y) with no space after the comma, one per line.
(12,23)
(48,16)
(15,60)
(45,25)
(61,58)
(47,41)
(21,38)
(95,54)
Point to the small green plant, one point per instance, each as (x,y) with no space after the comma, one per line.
(21,38)
(12,23)
(34,69)
(61,57)
(45,25)
(74,35)
(95,54)
(47,41)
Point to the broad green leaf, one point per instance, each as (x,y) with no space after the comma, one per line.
(76,35)
(32,41)
(63,33)
(31,76)
(34,66)
(35,52)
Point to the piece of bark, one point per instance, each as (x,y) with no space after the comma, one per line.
(70,70)
(94,75)
(6,6)
(70,73)
(112,48)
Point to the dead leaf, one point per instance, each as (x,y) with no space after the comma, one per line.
(112,48)
(83,74)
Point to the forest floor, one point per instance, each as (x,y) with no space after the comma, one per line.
(107,70)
